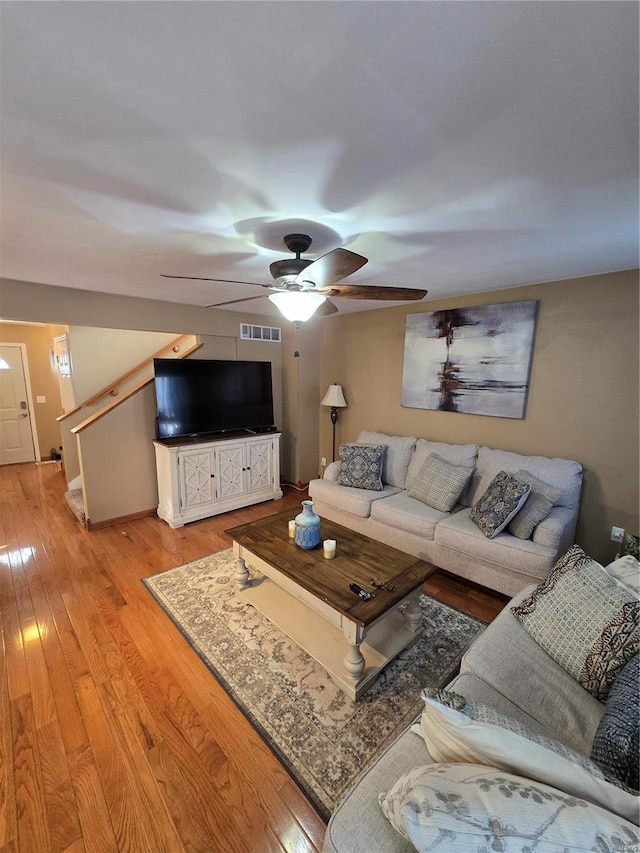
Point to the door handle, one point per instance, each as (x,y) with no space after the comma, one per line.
(24,415)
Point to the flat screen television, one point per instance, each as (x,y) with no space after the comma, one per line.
(199,397)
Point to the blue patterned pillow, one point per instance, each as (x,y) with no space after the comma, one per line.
(616,745)
(498,505)
(361,466)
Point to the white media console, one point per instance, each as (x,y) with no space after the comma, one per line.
(200,478)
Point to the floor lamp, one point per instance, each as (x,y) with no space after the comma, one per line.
(334,398)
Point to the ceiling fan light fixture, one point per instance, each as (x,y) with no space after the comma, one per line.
(297,306)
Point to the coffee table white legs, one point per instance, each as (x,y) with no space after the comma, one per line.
(354,662)
(413,613)
(242,573)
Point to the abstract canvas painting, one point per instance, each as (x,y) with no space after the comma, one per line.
(470,360)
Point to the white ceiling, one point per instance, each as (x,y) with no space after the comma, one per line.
(460,146)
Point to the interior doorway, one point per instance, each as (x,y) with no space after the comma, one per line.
(18,439)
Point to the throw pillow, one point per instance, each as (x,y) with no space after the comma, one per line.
(459,808)
(537,507)
(456,729)
(440,483)
(616,745)
(586,621)
(361,466)
(626,570)
(504,497)
(460,454)
(397,455)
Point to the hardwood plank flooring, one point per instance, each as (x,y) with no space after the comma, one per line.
(114,736)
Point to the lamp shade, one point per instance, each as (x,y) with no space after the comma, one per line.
(296,305)
(334,398)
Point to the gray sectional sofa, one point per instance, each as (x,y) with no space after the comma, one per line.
(452,540)
(506,669)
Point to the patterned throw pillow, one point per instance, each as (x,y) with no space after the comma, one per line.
(361,466)
(397,454)
(498,505)
(537,507)
(459,808)
(456,729)
(439,483)
(586,621)
(616,746)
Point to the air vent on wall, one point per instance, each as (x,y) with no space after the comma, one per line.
(249,332)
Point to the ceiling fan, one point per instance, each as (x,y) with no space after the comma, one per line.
(301,287)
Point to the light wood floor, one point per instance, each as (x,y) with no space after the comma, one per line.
(115,736)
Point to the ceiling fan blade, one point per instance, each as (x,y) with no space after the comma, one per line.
(234,301)
(223,280)
(370,291)
(325,309)
(334,266)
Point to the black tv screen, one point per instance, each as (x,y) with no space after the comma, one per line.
(200,396)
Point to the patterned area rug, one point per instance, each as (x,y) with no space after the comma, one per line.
(323,738)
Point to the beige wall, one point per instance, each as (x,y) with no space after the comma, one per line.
(301,380)
(44,378)
(583,398)
(100,356)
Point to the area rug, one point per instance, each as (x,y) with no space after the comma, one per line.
(322,737)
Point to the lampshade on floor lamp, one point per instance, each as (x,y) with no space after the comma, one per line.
(334,398)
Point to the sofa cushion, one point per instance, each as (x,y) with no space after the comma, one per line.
(617,742)
(457,729)
(440,483)
(459,454)
(406,513)
(458,532)
(398,453)
(459,808)
(626,570)
(584,619)
(564,474)
(504,496)
(536,508)
(469,685)
(356,501)
(361,466)
(548,694)
(357,823)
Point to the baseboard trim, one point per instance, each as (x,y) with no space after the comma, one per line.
(121,519)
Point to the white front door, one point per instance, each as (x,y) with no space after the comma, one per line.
(16,438)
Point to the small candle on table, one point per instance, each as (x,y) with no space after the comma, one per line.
(292,528)
(329,549)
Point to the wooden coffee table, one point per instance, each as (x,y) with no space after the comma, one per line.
(308,597)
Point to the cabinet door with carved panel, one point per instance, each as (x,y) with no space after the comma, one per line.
(230,470)
(259,465)
(196,478)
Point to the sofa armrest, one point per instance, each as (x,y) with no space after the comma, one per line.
(331,472)
(557,529)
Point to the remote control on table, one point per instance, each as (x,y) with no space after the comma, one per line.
(360,592)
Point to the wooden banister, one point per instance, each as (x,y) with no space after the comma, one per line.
(115,401)
(113,387)
(118,400)
(68,414)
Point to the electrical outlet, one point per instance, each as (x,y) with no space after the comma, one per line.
(323,461)
(617,534)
